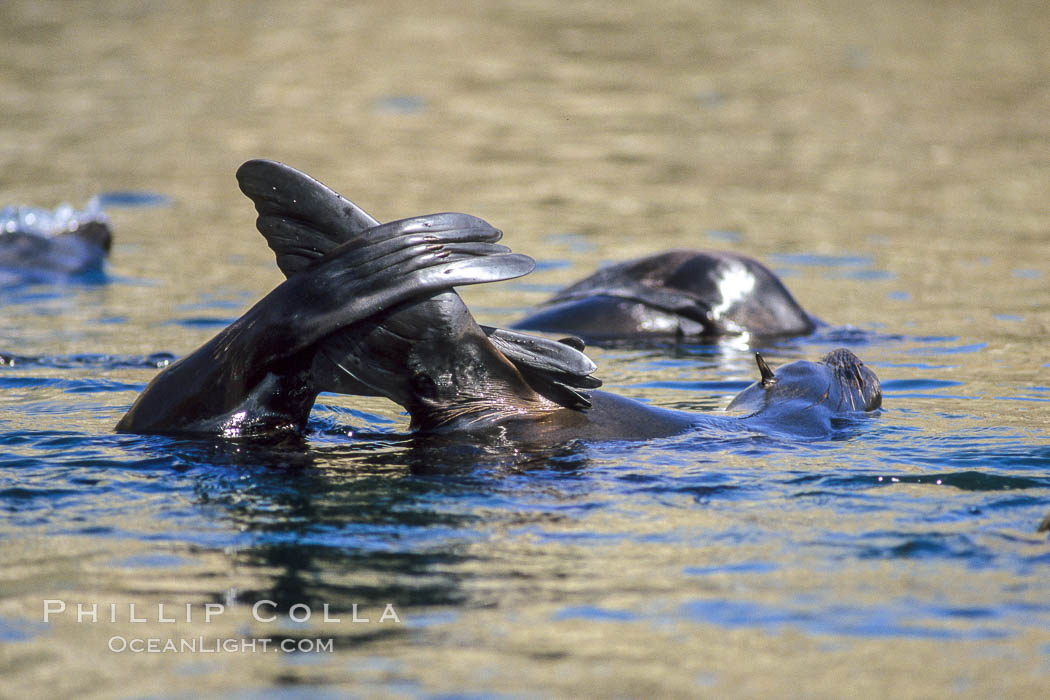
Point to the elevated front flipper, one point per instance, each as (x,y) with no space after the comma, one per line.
(257,376)
(303,220)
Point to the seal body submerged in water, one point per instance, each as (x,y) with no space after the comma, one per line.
(370,309)
(674,294)
(44,243)
(56,245)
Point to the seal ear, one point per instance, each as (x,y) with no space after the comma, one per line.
(768,378)
(301,219)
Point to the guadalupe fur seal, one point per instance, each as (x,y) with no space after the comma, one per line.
(257,376)
(674,294)
(60,242)
(369,309)
(803,397)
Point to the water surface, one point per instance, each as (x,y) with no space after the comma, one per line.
(889,161)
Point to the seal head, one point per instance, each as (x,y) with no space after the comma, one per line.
(802,393)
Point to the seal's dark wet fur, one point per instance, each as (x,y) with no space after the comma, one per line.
(677,294)
(370,309)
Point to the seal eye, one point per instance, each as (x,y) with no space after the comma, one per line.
(768,378)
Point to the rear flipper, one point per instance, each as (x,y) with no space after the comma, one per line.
(675,293)
(255,376)
(401,260)
(303,220)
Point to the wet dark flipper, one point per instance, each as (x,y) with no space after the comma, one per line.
(301,218)
(555,368)
(359,279)
(675,293)
(563,356)
(255,376)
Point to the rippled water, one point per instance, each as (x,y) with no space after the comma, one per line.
(889,161)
